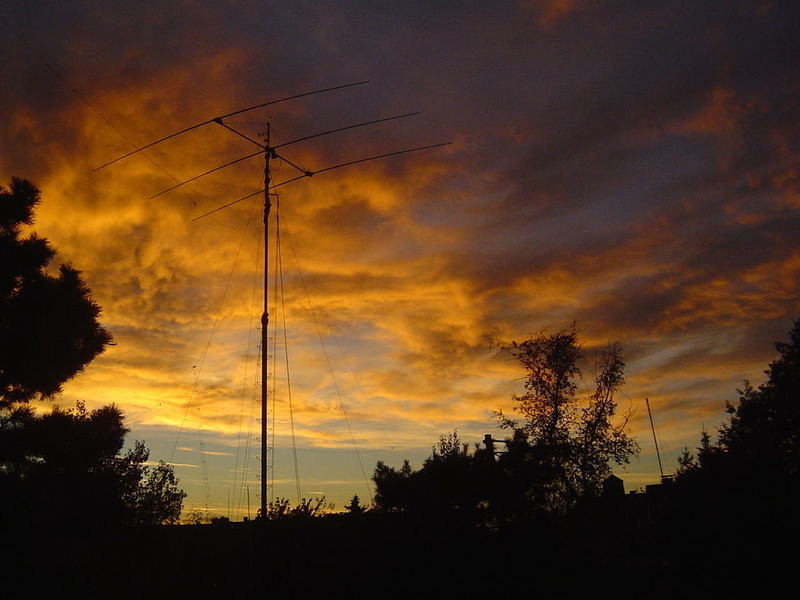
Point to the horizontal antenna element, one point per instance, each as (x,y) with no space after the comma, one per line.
(227,164)
(316,135)
(312,173)
(236,112)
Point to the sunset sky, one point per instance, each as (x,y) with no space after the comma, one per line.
(632,167)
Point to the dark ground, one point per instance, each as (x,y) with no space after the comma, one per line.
(631,547)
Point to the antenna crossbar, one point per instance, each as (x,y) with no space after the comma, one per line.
(219,121)
(305,172)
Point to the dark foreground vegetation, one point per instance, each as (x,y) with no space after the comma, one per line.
(684,546)
(727,524)
(62,467)
(537,513)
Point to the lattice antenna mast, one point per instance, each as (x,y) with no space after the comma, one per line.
(270,153)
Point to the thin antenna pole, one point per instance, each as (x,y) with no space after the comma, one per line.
(655,441)
(265,328)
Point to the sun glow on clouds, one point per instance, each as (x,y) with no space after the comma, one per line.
(660,211)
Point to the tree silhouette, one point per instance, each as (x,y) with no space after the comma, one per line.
(762,438)
(150,493)
(572,441)
(394,488)
(453,482)
(453,479)
(64,466)
(764,427)
(355,507)
(558,453)
(48,323)
(281,508)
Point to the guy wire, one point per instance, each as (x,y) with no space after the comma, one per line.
(328,362)
(274,395)
(203,463)
(286,346)
(204,354)
(238,502)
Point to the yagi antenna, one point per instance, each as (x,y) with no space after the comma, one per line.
(271,153)
(302,139)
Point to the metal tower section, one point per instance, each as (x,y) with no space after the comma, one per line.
(265,327)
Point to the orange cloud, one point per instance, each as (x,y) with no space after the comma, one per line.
(551,12)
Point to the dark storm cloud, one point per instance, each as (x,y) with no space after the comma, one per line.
(627,157)
(661,71)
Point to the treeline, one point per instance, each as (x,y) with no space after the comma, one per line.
(555,464)
(561,449)
(558,458)
(63,469)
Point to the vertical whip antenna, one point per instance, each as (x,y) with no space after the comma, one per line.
(655,441)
